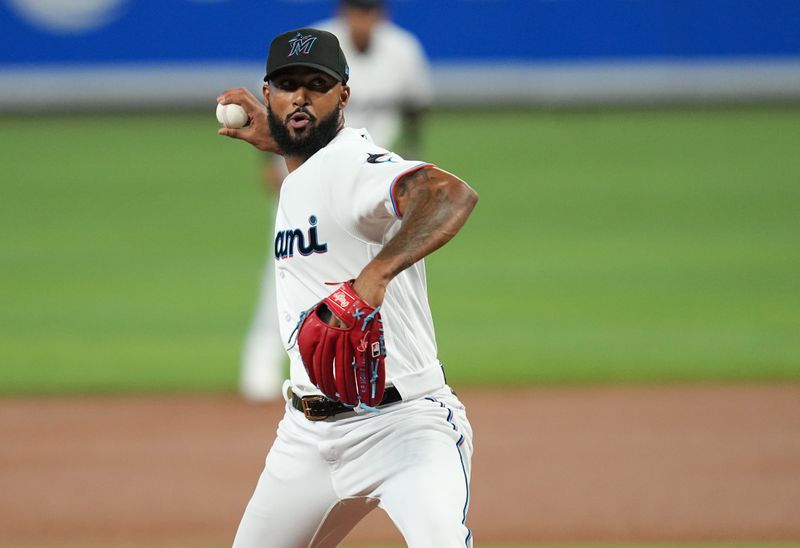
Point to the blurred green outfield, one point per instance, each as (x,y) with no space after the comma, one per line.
(620,245)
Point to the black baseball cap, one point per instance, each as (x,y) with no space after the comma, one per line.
(307,47)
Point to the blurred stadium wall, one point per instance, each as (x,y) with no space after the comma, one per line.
(74,54)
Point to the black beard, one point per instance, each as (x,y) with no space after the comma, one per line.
(310,141)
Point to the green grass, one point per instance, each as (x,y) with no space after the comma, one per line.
(623,246)
(611,246)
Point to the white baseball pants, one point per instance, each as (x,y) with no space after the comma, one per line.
(321,478)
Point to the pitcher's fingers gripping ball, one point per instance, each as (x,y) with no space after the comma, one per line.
(345,358)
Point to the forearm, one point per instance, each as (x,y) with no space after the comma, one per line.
(436,206)
(435,213)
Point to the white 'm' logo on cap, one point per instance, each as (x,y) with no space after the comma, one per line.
(301,44)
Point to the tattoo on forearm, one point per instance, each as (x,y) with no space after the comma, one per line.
(432,217)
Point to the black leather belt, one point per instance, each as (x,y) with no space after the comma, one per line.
(318,408)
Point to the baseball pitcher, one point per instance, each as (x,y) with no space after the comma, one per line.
(369,419)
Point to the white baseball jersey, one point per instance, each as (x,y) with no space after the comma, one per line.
(334,215)
(391,74)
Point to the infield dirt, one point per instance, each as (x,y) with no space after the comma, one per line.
(676,463)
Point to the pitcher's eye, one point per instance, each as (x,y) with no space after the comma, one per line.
(286,84)
(320,84)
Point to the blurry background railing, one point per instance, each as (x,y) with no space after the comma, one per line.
(59,54)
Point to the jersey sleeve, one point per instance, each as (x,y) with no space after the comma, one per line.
(365,204)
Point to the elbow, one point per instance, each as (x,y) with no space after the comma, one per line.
(460,197)
(473,197)
(468,198)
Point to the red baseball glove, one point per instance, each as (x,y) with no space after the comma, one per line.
(344,360)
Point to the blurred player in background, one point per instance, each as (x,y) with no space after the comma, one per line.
(388,70)
(392,84)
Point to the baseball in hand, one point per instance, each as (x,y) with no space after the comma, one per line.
(231,115)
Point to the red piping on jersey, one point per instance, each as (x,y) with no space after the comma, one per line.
(391,187)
